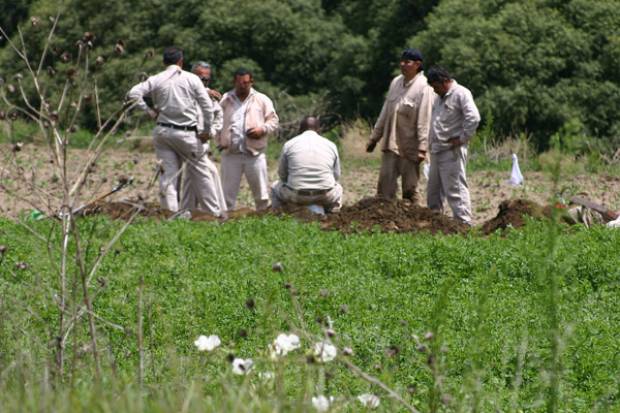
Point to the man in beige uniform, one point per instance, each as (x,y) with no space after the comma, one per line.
(178,97)
(309,170)
(403,125)
(188,197)
(454,122)
(249,116)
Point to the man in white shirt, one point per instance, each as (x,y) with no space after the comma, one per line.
(309,170)
(454,121)
(188,197)
(249,118)
(178,98)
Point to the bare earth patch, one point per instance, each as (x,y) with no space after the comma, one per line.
(28,182)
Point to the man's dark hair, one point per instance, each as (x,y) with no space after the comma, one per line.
(309,123)
(437,74)
(242,72)
(172,55)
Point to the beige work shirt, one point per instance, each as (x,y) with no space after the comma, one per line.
(309,161)
(177,97)
(258,112)
(218,118)
(405,117)
(455,115)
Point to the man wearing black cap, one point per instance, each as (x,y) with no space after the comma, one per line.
(404,126)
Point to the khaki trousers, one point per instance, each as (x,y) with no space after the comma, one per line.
(282,195)
(234,165)
(174,147)
(447,179)
(189,198)
(393,166)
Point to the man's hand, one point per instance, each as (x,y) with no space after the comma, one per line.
(612,215)
(204,137)
(370,146)
(421,156)
(255,133)
(152,113)
(214,94)
(454,142)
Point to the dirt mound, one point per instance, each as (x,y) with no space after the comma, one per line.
(391,216)
(367,214)
(124,210)
(513,213)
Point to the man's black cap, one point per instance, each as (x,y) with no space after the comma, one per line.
(411,54)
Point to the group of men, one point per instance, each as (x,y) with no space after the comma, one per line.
(421,114)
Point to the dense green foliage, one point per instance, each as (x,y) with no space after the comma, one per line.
(538,65)
(535,66)
(510,315)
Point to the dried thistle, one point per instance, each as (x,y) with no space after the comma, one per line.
(119,48)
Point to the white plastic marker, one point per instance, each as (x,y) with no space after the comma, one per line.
(516,178)
(316,209)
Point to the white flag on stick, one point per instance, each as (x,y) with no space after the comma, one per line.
(516,178)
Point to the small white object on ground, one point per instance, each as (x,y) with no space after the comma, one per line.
(316,209)
(516,178)
(614,224)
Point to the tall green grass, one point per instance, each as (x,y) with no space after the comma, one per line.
(525,322)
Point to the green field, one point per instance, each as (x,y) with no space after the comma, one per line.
(526,322)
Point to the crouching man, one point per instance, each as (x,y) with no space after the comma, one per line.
(309,171)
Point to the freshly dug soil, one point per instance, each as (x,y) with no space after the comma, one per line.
(367,214)
(391,216)
(512,213)
(124,210)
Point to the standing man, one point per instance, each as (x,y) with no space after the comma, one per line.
(309,170)
(403,125)
(188,196)
(178,98)
(454,121)
(249,116)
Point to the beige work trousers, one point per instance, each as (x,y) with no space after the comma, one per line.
(283,195)
(174,147)
(234,165)
(447,179)
(189,200)
(393,166)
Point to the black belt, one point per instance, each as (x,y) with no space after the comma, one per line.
(178,127)
(310,192)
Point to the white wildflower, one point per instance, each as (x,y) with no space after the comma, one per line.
(322,403)
(204,343)
(241,366)
(325,351)
(283,344)
(266,375)
(369,400)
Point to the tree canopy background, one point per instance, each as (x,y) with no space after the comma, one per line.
(534,66)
